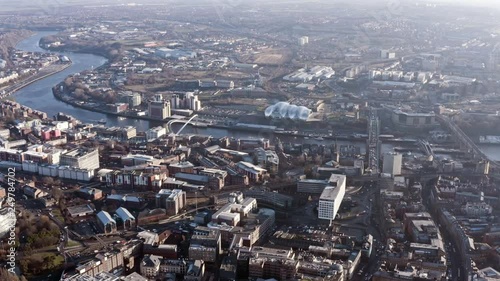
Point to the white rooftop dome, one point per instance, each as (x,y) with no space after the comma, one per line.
(287,111)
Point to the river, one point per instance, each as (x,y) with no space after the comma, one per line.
(39,96)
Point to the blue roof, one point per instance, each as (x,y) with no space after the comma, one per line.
(105,218)
(124,214)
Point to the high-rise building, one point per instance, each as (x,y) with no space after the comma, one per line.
(159,108)
(331,197)
(387,54)
(133,99)
(303,40)
(188,101)
(392,163)
(175,102)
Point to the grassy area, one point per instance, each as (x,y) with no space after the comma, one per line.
(41,264)
(72,243)
(58,215)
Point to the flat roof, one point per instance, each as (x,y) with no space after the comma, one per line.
(330,193)
(74,210)
(337,179)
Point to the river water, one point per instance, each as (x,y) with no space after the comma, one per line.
(39,96)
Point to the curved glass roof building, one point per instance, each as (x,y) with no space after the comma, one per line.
(284,110)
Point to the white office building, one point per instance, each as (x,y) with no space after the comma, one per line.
(303,40)
(331,197)
(155,133)
(392,163)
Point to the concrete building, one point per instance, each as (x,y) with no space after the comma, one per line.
(177,54)
(304,40)
(90,193)
(155,133)
(392,163)
(189,101)
(205,246)
(311,186)
(106,222)
(413,120)
(80,211)
(159,108)
(387,54)
(195,271)
(132,99)
(254,173)
(267,159)
(233,211)
(262,262)
(150,266)
(476,209)
(331,197)
(103,262)
(181,167)
(173,200)
(81,159)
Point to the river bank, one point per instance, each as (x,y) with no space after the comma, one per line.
(42,74)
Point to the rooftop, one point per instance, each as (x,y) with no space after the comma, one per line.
(105,218)
(124,214)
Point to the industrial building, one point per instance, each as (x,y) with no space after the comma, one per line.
(106,222)
(159,108)
(127,218)
(306,75)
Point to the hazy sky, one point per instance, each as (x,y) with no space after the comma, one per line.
(55,3)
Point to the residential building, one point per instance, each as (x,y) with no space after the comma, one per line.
(267,159)
(254,173)
(150,266)
(195,271)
